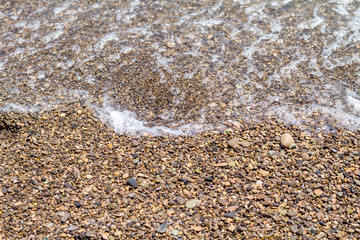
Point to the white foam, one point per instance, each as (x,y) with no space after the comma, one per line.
(52,36)
(15,107)
(96,5)
(2,65)
(355,103)
(126,122)
(349,120)
(21,40)
(21,24)
(126,49)
(353,100)
(163,62)
(65,65)
(242,2)
(41,74)
(127,13)
(183,19)
(113,57)
(140,31)
(90,79)
(34,25)
(108,37)
(291,67)
(59,10)
(210,22)
(283,112)
(76,48)
(275,26)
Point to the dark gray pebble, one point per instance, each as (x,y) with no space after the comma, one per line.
(209,179)
(313,231)
(230,215)
(132,182)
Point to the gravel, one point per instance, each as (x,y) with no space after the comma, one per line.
(84,175)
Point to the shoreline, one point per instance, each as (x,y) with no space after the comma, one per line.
(64,175)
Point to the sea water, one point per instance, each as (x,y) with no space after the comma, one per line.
(174,67)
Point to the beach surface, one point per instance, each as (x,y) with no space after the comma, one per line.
(65,175)
(229,119)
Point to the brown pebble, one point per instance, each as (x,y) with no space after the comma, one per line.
(305,156)
(286,140)
(180,200)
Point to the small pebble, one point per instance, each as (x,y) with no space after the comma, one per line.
(209,179)
(90,234)
(77,204)
(292,213)
(305,156)
(286,140)
(192,203)
(180,200)
(175,232)
(318,192)
(72,228)
(222,201)
(230,215)
(132,182)
(162,228)
(294,229)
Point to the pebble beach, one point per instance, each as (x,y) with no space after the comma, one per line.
(180,119)
(65,175)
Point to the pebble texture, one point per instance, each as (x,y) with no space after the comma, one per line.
(66,171)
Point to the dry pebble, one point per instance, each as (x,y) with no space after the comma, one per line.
(192,203)
(132,182)
(162,228)
(73,179)
(286,140)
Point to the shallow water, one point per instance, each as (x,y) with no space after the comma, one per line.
(173,66)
